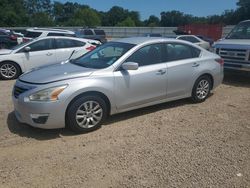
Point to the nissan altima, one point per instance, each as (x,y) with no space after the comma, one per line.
(118,76)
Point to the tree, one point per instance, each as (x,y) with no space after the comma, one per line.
(128,22)
(152,21)
(85,17)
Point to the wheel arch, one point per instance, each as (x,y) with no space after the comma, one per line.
(206,74)
(91,93)
(11,61)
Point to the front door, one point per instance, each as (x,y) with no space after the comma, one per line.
(146,84)
(41,53)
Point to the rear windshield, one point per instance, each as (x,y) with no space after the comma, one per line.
(31,34)
(99,32)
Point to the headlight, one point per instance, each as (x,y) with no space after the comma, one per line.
(50,94)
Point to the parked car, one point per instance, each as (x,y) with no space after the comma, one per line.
(116,77)
(95,34)
(194,39)
(152,35)
(32,33)
(39,52)
(8,39)
(235,48)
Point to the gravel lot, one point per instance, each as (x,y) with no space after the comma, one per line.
(176,144)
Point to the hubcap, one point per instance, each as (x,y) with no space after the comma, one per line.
(202,89)
(8,70)
(89,114)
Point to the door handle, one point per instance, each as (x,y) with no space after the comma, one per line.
(49,54)
(161,72)
(195,65)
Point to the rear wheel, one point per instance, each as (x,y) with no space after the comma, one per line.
(86,114)
(9,70)
(201,89)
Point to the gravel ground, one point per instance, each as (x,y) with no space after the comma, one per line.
(176,144)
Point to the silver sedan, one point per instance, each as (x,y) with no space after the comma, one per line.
(116,77)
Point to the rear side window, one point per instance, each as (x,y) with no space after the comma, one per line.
(61,34)
(31,34)
(99,32)
(79,43)
(177,51)
(148,55)
(42,45)
(67,43)
(88,32)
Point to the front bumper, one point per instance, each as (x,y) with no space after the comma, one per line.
(46,115)
(236,66)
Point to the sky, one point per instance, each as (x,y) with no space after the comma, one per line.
(155,7)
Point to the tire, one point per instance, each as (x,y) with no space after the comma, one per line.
(201,89)
(9,70)
(89,119)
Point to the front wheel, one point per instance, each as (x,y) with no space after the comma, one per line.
(86,114)
(201,89)
(9,70)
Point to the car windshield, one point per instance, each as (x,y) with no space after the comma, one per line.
(241,31)
(103,56)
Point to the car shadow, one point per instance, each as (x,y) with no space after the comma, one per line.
(237,79)
(24,130)
(147,110)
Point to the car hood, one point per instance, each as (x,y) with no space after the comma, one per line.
(5,51)
(233,44)
(54,73)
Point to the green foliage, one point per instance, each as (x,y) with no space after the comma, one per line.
(85,17)
(128,22)
(52,13)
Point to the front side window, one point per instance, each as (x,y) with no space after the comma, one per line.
(103,56)
(148,55)
(176,51)
(41,45)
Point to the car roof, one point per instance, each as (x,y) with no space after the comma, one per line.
(245,21)
(65,37)
(50,30)
(140,40)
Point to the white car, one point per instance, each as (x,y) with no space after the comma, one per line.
(196,40)
(40,52)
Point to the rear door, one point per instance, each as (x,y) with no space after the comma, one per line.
(146,84)
(42,52)
(182,64)
(65,47)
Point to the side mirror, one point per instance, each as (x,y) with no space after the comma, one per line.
(130,66)
(27,49)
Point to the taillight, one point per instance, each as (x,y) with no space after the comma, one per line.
(90,48)
(220,61)
(13,37)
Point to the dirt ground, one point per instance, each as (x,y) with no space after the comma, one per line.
(176,144)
